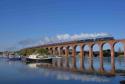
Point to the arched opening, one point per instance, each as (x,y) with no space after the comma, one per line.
(70,51)
(77,56)
(56,51)
(51,51)
(63,51)
(70,56)
(60,55)
(96,59)
(86,56)
(107,56)
(119,55)
(47,49)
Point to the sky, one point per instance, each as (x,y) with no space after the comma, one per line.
(34,19)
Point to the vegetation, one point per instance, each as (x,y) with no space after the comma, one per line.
(42,51)
(30,51)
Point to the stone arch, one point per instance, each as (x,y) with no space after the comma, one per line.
(51,51)
(66,61)
(61,50)
(77,48)
(96,49)
(107,46)
(86,49)
(70,48)
(72,57)
(56,50)
(47,48)
(96,56)
(121,46)
(64,51)
(119,53)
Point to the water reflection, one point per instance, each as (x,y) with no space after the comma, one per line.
(68,68)
(67,74)
(61,70)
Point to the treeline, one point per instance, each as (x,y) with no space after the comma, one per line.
(30,51)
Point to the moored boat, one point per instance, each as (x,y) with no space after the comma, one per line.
(14,58)
(38,59)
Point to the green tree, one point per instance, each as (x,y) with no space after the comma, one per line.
(30,51)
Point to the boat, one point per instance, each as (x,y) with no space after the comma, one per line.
(14,58)
(38,59)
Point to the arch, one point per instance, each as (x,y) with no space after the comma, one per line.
(70,50)
(119,54)
(119,46)
(95,48)
(64,51)
(72,56)
(86,49)
(56,50)
(47,48)
(77,49)
(79,60)
(51,51)
(96,56)
(107,56)
(60,51)
(66,61)
(106,49)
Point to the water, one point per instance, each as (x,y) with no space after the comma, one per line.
(17,72)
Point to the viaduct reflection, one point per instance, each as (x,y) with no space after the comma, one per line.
(63,65)
(59,72)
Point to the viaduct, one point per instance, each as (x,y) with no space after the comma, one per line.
(63,49)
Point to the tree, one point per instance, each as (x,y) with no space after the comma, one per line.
(42,51)
(30,51)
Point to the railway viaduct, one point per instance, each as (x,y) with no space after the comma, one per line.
(63,49)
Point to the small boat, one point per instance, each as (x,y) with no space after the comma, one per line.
(38,59)
(14,58)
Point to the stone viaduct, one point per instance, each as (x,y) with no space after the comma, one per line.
(62,49)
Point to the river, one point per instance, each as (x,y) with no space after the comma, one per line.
(18,72)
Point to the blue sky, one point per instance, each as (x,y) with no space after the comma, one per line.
(24,19)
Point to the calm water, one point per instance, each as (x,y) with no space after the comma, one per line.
(17,72)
